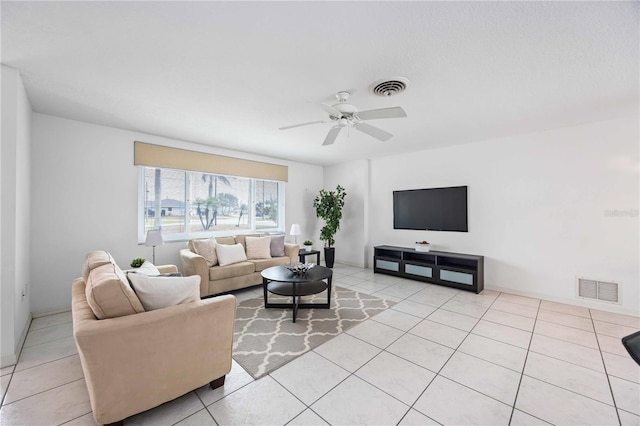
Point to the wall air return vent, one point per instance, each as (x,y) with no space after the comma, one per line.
(389,86)
(604,291)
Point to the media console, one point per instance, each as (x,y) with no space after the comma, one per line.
(462,271)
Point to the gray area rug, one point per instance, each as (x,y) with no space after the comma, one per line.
(266,339)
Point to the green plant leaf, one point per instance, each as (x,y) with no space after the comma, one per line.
(328,205)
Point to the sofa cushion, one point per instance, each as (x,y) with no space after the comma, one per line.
(277,245)
(207,249)
(94,259)
(226,240)
(262,264)
(231,271)
(258,247)
(109,294)
(229,254)
(162,292)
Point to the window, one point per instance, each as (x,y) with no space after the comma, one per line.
(266,197)
(186,204)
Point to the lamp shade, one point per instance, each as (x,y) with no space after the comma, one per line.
(154,238)
(295,229)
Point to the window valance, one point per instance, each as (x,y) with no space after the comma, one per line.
(146,154)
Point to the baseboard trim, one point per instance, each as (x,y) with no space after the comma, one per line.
(12,359)
(47,312)
(342,262)
(8,360)
(616,309)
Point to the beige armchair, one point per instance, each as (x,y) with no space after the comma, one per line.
(136,362)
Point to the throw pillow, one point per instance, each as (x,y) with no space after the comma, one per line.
(277,245)
(226,240)
(147,268)
(207,249)
(258,247)
(162,292)
(229,254)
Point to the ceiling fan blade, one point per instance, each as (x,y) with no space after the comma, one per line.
(373,131)
(300,125)
(374,114)
(332,135)
(331,110)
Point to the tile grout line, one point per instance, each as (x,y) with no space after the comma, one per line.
(412,407)
(205,408)
(46,390)
(606,373)
(524,365)
(75,418)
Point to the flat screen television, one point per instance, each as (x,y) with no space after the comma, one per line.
(434,209)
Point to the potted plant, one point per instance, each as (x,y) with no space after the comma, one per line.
(137,262)
(308,245)
(328,205)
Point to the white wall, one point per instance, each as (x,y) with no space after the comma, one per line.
(15,211)
(300,194)
(352,238)
(85,182)
(537,207)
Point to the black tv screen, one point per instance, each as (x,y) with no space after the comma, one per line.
(434,209)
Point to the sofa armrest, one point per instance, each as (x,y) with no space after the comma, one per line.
(139,361)
(167,269)
(292,250)
(194,264)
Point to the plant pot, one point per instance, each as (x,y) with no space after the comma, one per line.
(329,256)
(308,248)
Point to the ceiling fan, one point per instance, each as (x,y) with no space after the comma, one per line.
(347,115)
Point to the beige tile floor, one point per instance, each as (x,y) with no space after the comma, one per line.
(439,356)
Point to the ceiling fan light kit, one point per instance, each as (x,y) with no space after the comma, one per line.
(347,115)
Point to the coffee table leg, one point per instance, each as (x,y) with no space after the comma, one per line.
(295,303)
(264,287)
(329,291)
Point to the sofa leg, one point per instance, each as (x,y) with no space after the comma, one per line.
(217,382)
(120,423)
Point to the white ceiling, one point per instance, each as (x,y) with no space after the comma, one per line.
(229,74)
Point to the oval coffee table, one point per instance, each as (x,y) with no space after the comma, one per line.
(279,280)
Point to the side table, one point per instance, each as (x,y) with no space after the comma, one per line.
(304,253)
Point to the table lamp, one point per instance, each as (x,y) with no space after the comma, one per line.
(154,238)
(295,231)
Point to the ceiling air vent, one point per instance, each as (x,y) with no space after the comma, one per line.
(604,291)
(389,86)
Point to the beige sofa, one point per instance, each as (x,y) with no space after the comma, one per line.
(220,279)
(138,361)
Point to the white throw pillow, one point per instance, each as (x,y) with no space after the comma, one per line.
(258,247)
(230,253)
(147,268)
(207,249)
(162,292)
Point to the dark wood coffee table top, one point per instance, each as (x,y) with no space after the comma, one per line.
(282,274)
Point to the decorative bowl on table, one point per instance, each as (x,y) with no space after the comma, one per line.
(299,268)
(422,246)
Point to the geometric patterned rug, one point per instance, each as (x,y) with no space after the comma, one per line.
(267,339)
